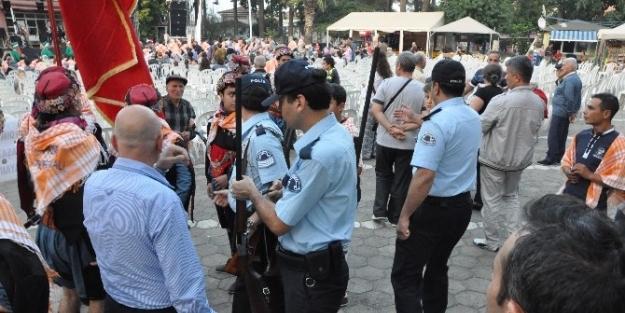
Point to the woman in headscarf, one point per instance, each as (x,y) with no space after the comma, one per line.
(60,152)
(221,152)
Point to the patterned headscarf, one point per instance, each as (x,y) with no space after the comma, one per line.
(284,51)
(57,90)
(225,80)
(240,65)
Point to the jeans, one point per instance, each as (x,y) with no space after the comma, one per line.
(556,141)
(391,187)
(435,229)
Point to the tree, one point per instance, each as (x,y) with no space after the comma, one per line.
(402,5)
(151,13)
(494,14)
(425,7)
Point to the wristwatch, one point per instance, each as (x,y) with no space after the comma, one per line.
(250,224)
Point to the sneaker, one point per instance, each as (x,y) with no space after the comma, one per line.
(378,218)
(344,301)
(481,243)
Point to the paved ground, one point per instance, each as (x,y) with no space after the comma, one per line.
(373,246)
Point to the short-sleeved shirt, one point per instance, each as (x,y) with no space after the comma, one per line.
(319,197)
(265,157)
(447,144)
(412,96)
(486,93)
(178,117)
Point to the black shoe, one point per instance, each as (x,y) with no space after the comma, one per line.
(231,288)
(477,206)
(547,162)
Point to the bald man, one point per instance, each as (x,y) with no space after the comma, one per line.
(137,225)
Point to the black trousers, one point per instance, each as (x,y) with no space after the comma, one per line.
(556,140)
(112,306)
(392,179)
(303,295)
(435,228)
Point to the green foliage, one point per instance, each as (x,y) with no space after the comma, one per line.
(151,13)
(494,14)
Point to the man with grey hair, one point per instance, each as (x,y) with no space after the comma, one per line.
(395,141)
(418,74)
(566,101)
(510,127)
(259,64)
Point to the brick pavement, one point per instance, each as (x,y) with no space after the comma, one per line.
(373,246)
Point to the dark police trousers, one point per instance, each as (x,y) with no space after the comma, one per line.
(305,294)
(435,228)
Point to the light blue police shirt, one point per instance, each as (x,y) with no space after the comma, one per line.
(265,156)
(447,144)
(319,198)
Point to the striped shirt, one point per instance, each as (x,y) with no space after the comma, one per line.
(139,232)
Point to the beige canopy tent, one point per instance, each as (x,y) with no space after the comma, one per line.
(614,33)
(466,25)
(389,22)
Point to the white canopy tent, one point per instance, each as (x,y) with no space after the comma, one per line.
(389,22)
(614,33)
(466,25)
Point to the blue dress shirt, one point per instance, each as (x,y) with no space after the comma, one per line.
(139,232)
(319,198)
(447,144)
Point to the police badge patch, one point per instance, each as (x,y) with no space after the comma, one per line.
(428,139)
(264,159)
(294,184)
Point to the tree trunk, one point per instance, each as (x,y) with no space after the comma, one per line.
(280,22)
(260,17)
(135,21)
(309,18)
(236,18)
(291,15)
(402,5)
(426,6)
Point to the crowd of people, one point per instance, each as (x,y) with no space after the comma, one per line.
(113,228)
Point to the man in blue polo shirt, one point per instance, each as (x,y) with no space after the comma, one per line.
(438,207)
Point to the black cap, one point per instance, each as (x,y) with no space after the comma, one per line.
(254,80)
(558,66)
(176,77)
(291,76)
(449,72)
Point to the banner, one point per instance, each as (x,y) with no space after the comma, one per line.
(8,151)
(107,51)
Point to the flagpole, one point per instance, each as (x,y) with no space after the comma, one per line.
(55,35)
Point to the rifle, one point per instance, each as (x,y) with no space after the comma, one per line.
(289,138)
(258,301)
(365,110)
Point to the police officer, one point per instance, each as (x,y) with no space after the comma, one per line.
(314,218)
(438,207)
(262,152)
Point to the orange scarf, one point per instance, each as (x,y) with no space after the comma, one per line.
(58,158)
(227,123)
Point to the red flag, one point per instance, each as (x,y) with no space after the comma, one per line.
(106,49)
